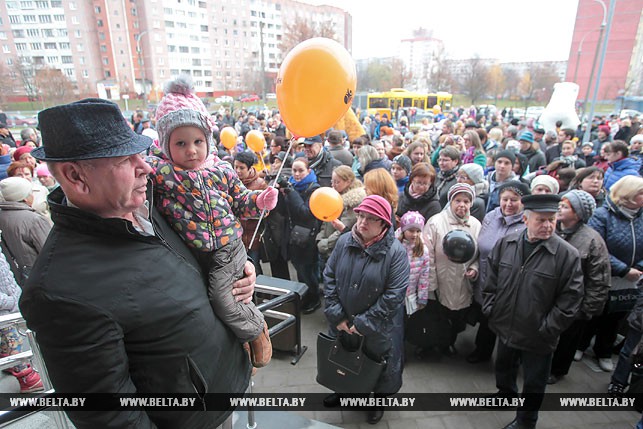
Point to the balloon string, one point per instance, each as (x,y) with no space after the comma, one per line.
(263,212)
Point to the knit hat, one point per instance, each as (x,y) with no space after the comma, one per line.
(605,128)
(15,188)
(526,136)
(474,171)
(547,180)
(42,171)
(515,186)
(511,156)
(461,187)
(637,138)
(377,206)
(590,144)
(582,203)
(411,220)
(180,107)
(21,151)
(404,162)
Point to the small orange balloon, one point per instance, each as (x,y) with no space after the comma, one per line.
(315,86)
(255,140)
(326,204)
(228,137)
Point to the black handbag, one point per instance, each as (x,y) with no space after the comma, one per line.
(302,237)
(346,371)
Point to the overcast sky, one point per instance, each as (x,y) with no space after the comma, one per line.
(509,30)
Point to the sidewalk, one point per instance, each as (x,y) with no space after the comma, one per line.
(431,375)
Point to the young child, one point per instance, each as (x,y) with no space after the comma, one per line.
(202,198)
(410,235)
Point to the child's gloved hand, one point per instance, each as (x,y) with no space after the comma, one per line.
(267,200)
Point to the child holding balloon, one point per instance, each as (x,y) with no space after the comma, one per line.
(202,197)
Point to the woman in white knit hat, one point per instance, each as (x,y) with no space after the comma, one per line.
(24,231)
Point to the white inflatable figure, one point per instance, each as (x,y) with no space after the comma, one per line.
(561,107)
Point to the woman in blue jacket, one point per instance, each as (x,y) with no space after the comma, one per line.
(365,284)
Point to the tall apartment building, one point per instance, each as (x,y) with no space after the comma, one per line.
(109,48)
(418,55)
(622,69)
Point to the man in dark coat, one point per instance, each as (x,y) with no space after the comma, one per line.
(533,291)
(319,160)
(117,301)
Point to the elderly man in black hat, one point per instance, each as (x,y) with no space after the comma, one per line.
(116,300)
(533,291)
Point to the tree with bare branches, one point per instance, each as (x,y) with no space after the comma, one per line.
(475,79)
(54,87)
(301,29)
(440,78)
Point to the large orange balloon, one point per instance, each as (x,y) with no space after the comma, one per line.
(315,86)
(326,204)
(255,140)
(228,137)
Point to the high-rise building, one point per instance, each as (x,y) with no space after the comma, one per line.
(621,74)
(417,54)
(109,48)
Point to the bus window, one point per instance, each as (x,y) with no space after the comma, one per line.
(431,101)
(378,103)
(407,102)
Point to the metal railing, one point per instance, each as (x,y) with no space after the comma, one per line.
(10,416)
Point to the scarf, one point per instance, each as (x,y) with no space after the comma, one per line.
(317,161)
(469,155)
(360,240)
(413,193)
(252,175)
(303,184)
(464,220)
(445,176)
(629,213)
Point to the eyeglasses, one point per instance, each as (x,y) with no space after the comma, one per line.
(366,218)
(422,184)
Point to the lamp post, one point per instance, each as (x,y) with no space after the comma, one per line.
(141,62)
(580,49)
(588,129)
(598,46)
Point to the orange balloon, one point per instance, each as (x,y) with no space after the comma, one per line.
(315,86)
(228,137)
(255,140)
(326,204)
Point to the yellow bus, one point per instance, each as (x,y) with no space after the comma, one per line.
(390,101)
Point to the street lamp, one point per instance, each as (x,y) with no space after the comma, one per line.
(598,45)
(580,49)
(141,62)
(588,129)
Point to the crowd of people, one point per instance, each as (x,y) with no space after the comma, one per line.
(557,225)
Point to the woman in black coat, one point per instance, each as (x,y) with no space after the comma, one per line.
(420,194)
(302,229)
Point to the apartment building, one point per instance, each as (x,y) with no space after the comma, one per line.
(111,48)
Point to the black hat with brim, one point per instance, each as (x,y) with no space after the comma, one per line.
(87,129)
(541,202)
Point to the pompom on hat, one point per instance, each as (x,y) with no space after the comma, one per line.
(411,220)
(377,206)
(180,107)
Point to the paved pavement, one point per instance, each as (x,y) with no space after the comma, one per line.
(431,375)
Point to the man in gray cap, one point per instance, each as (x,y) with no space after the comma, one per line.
(320,160)
(533,291)
(116,299)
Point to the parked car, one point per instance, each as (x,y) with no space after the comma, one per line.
(21,120)
(224,99)
(250,98)
(271,96)
(629,113)
(534,111)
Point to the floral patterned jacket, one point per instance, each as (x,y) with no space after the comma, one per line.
(203,206)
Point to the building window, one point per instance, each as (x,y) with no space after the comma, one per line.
(29,18)
(48,32)
(97,9)
(21,46)
(59,18)
(85,73)
(108,74)
(66,59)
(26,5)
(72,5)
(50,46)
(81,60)
(56,3)
(44,19)
(14,19)
(74,20)
(106,61)
(64,45)
(77,34)
(36,46)
(18,34)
